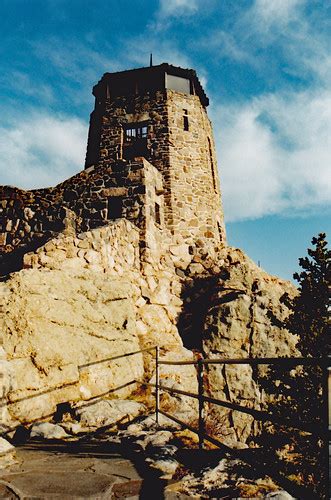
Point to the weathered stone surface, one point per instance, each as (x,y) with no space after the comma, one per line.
(127,306)
(243,319)
(230,478)
(55,320)
(7,453)
(5,384)
(90,307)
(46,430)
(279,495)
(109,412)
(167,466)
(179,377)
(150,423)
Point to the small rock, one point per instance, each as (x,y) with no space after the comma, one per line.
(46,430)
(5,446)
(7,453)
(160,438)
(196,268)
(167,466)
(279,495)
(150,423)
(72,427)
(107,412)
(163,452)
(134,429)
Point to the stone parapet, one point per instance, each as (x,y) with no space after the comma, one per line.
(90,199)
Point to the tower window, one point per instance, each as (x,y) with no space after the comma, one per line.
(177,83)
(133,133)
(115,205)
(185,120)
(212,165)
(157,213)
(135,140)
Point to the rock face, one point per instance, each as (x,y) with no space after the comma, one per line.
(243,320)
(5,382)
(80,301)
(232,309)
(56,323)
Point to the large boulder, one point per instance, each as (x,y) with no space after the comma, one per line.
(244,319)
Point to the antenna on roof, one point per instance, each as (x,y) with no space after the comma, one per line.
(151,60)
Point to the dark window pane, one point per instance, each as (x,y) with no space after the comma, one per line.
(115,205)
(157,213)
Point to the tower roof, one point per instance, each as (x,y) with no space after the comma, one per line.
(150,79)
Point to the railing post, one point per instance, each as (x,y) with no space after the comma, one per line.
(325,392)
(201,404)
(157,383)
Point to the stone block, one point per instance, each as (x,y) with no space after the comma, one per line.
(114,191)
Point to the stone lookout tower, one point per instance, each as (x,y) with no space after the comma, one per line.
(150,160)
(159,113)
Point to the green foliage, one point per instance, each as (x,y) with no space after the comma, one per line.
(300,395)
(310,309)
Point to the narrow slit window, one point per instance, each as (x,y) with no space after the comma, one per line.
(220,232)
(185,120)
(212,165)
(157,213)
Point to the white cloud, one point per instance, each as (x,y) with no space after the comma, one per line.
(73,60)
(268,12)
(22,83)
(41,150)
(275,154)
(177,7)
(225,44)
(74,68)
(172,10)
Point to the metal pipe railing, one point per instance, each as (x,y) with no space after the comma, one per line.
(92,363)
(157,385)
(289,362)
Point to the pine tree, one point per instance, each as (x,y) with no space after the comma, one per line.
(300,394)
(310,309)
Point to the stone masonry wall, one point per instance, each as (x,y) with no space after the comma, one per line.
(96,196)
(186,158)
(195,188)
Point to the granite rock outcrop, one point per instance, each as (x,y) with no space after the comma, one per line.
(85,298)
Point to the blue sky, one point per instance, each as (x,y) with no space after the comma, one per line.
(265,65)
